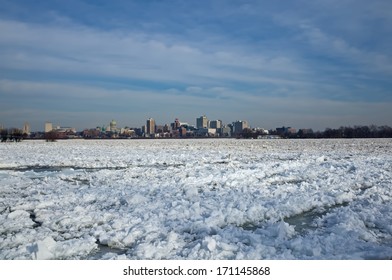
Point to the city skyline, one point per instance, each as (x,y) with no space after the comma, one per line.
(111,125)
(149,125)
(204,128)
(311,64)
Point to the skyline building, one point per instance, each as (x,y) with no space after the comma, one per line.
(202,122)
(26,128)
(166,128)
(176,125)
(216,124)
(150,126)
(48,127)
(113,126)
(239,126)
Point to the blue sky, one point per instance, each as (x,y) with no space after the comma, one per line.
(306,64)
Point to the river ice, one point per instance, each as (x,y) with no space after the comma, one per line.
(196,199)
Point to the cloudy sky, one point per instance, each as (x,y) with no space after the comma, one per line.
(304,63)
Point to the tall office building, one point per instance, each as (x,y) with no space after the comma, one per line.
(48,127)
(216,124)
(150,126)
(26,128)
(239,126)
(202,122)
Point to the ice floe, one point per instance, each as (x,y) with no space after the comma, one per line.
(196,199)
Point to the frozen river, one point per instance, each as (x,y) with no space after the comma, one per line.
(196,199)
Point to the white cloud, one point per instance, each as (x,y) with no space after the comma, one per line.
(339,47)
(85,51)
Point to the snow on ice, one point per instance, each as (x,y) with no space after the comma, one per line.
(196,199)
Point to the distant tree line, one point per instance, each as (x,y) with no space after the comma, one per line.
(51,136)
(372,131)
(357,132)
(11,135)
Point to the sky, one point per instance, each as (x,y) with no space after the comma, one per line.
(305,63)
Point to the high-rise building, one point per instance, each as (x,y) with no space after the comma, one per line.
(26,128)
(216,124)
(48,127)
(202,122)
(225,131)
(150,126)
(176,125)
(113,126)
(239,126)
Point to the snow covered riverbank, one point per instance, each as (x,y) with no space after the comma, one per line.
(196,199)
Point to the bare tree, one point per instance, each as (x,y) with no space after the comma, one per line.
(51,136)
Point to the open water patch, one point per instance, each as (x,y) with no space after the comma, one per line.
(305,221)
(33,217)
(103,250)
(62,168)
(58,168)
